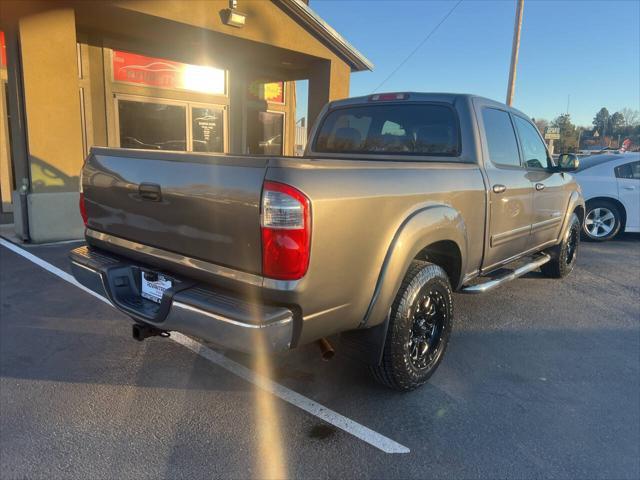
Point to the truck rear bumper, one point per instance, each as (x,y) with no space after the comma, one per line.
(188,307)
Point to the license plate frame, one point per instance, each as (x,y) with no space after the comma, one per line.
(154,290)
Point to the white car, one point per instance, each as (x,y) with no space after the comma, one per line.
(611,188)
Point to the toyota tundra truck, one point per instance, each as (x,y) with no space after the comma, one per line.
(399,200)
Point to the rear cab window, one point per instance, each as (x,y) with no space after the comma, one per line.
(417,129)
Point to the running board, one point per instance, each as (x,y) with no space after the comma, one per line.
(518,272)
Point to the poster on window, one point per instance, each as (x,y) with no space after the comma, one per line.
(272,92)
(207,126)
(162,73)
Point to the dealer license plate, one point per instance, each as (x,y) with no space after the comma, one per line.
(154,285)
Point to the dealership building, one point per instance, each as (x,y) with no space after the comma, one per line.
(199,76)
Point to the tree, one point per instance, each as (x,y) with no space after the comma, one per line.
(601,121)
(541,123)
(616,122)
(631,117)
(569,134)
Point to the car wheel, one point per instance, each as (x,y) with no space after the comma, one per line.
(602,221)
(563,256)
(420,323)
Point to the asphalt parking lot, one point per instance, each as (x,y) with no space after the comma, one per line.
(541,379)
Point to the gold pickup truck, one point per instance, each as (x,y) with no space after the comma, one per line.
(399,200)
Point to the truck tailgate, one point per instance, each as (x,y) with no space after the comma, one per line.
(200,206)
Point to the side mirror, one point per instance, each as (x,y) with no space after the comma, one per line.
(568,162)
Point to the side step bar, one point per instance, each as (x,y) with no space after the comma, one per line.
(518,272)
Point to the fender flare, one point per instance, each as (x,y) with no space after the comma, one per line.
(424,226)
(575,200)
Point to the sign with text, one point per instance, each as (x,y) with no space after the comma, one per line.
(207,128)
(162,73)
(552,133)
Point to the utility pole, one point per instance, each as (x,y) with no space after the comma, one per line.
(514,52)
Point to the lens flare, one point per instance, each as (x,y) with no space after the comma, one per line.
(270,459)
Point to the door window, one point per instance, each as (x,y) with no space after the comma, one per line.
(148,125)
(207,128)
(501,139)
(533,148)
(629,170)
(265,135)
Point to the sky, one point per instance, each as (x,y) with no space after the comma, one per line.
(587,51)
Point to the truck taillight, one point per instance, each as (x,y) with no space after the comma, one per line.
(286,231)
(83,209)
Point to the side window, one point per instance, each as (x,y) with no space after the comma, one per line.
(501,139)
(629,170)
(533,148)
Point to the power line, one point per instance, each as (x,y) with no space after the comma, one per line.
(424,40)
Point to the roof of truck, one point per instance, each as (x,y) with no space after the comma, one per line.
(451,98)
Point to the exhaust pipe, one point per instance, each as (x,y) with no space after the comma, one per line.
(326,350)
(140,332)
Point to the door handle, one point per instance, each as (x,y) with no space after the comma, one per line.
(539,186)
(150,191)
(498,188)
(629,187)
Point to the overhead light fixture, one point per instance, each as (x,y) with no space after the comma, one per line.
(232,17)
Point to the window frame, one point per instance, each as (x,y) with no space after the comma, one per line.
(502,166)
(391,156)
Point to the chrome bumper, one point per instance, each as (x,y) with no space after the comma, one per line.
(189,308)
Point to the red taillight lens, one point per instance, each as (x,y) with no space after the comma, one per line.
(286,231)
(83,209)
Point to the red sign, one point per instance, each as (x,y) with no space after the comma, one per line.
(3,50)
(162,73)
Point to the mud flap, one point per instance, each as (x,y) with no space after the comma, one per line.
(366,344)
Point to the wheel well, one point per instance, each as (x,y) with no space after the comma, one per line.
(445,254)
(617,203)
(579,211)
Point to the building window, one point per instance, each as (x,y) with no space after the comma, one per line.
(264,136)
(157,124)
(151,125)
(207,129)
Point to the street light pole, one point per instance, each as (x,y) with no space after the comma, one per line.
(514,52)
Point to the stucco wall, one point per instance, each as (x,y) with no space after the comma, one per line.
(51,98)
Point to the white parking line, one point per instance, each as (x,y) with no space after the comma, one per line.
(356,429)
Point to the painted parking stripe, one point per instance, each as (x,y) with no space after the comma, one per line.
(352,427)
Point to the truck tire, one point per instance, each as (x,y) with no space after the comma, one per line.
(602,221)
(563,255)
(420,324)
